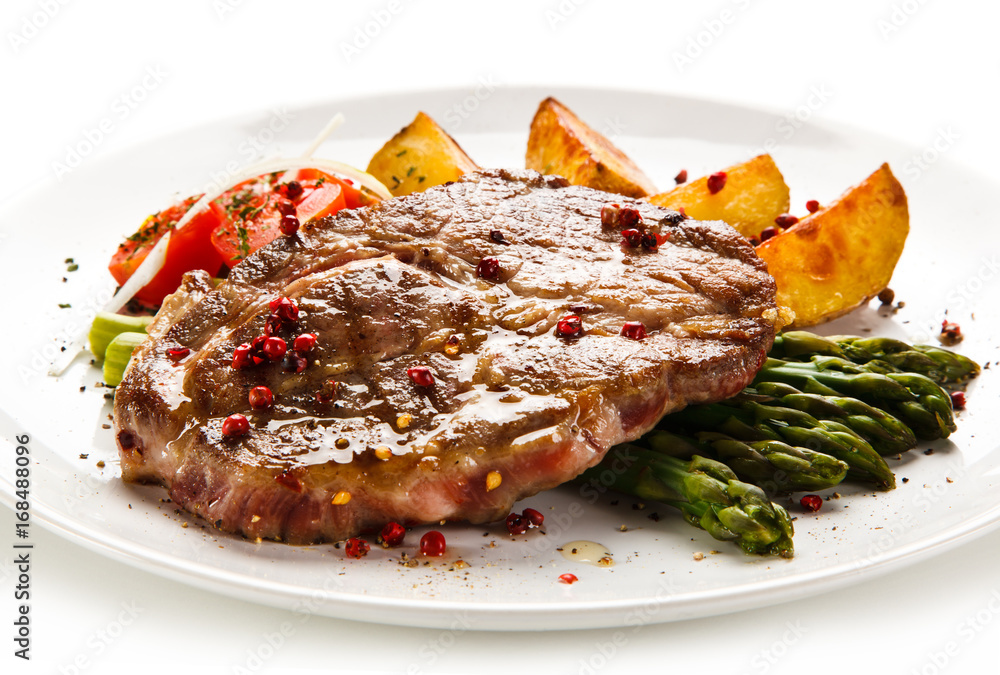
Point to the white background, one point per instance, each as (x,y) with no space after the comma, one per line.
(916,71)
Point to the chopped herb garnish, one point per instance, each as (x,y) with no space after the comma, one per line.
(239,202)
(72,267)
(421,179)
(69,260)
(64,305)
(410,171)
(244,237)
(249,212)
(149,229)
(152,228)
(395,182)
(400,153)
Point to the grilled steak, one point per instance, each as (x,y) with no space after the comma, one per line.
(442,384)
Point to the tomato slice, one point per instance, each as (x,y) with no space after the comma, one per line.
(249,214)
(324,200)
(248,218)
(234,240)
(353,197)
(235,225)
(134,250)
(188,250)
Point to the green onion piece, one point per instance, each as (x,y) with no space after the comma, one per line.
(107,326)
(118,354)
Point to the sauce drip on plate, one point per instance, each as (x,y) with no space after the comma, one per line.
(588,553)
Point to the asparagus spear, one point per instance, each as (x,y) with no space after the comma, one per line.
(816,378)
(772,465)
(748,420)
(941,365)
(778,466)
(835,439)
(886,434)
(707,493)
(800,344)
(947,366)
(915,399)
(930,416)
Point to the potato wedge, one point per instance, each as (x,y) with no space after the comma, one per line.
(420,156)
(841,256)
(754,195)
(561,143)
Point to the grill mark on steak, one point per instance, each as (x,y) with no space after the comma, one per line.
(384,288)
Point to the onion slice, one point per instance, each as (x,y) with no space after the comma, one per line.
(324,134)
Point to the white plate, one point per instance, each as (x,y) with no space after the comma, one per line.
(511,583)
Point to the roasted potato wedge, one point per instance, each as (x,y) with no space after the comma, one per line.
(561,143)
(754,195)
(420,156)
(841,256)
